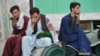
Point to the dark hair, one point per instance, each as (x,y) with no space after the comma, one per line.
(73,5)
(13,8)
(34,10)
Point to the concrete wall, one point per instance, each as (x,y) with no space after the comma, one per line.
(1,25)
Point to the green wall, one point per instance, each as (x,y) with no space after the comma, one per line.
(62,6)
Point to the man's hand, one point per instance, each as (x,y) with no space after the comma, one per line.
(12,35)
(14,21)
(58,44)
(78,15)
(18,35)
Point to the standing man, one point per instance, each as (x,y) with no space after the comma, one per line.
(19,25)
(70,31)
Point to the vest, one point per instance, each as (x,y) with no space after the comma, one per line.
(43,25)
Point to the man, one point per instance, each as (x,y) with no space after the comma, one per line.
(39,24)
(19,25)
(70,31)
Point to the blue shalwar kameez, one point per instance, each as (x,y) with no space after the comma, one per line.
(74,37)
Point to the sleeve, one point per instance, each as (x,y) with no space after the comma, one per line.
(49,24)
(14,29)
(65,33)
(66,26)
(52,30)
(62,35)
(68,33)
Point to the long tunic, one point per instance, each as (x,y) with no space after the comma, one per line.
(13,44)
(74,37)
(30,41)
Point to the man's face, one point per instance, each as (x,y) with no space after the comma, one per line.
(76,10)
(15,13)
(35,17)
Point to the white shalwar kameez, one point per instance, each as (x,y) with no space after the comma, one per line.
(29,41)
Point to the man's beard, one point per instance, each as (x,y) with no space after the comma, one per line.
(77,13)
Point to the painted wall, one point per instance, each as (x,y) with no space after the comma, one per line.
(62,6)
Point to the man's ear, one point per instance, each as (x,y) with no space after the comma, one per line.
(72,9)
